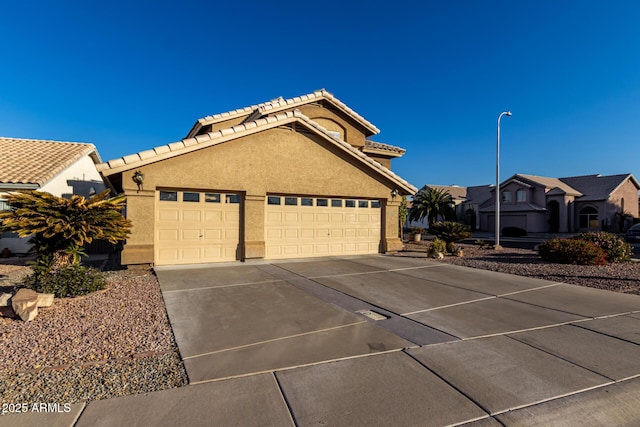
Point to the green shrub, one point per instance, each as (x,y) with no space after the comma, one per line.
(572,251)
(513,232)
(617,250)
(436,246)
(70,281)
(450,232)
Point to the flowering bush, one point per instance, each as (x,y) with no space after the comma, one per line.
(572,251)
(617,250)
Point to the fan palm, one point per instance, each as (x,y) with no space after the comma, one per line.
(431,203)
(61,227)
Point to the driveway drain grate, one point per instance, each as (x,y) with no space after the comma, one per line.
(372,314)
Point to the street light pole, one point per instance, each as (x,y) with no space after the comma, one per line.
(497,231)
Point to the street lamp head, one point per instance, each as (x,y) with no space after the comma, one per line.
(508,113)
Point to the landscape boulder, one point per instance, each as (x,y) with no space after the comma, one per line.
(25,304)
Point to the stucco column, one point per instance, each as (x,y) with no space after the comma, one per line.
(391,243)
(138,248)
(254,246)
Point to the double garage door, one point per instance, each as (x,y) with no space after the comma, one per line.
(199,227)
(316,226)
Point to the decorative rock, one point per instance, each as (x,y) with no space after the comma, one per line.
(4,300)
(45,300)
(25,304)
(439,255)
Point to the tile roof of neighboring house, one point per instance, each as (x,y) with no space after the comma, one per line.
(280,104)
(223,135)
(457,193)
(384,147)
(33,161)
(479,193)
(598,187)
(551,183)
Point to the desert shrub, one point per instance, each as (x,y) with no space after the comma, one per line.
(617,250)
(70,281)
(450,232)
(482,243)
(572,251)
(436,246)
(513,232)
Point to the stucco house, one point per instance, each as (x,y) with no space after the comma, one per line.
(579,203)
(286,178)
(59,168)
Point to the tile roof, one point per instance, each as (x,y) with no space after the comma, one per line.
(597,187)
(223,135)
(551,183)
(384,147)
(456,192)
(280,104)
(33,161)
(479,193)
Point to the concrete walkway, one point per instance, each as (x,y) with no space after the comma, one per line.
(388,341)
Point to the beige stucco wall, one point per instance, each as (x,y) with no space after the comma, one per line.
(278,160)
(353,132)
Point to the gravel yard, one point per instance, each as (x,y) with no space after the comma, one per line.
(524,262)
(110,343)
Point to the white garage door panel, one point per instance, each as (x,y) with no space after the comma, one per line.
(206,229)
(303,230)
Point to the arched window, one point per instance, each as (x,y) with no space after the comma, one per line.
(589,217)
(506,196)
(521,196)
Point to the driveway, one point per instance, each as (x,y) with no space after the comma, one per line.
(381,340)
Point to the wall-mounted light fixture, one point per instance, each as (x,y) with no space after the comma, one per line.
(394,193)
(138,178)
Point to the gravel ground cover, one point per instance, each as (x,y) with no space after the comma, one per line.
(109,343)
(524,262)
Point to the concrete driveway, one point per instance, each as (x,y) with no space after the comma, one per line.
(453,345)
(389,341)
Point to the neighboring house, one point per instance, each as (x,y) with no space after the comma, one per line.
(579,203)
(59,168)
(466,203)
(283,179)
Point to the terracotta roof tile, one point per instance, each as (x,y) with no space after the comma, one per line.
(382,146)
(34,161)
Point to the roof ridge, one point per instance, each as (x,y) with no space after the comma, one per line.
(281,102)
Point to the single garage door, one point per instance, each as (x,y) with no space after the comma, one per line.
(317,226)
(196,227)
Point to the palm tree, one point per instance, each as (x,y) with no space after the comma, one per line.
(59,227)
(431,203)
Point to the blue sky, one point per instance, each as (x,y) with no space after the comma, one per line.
(432,76)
